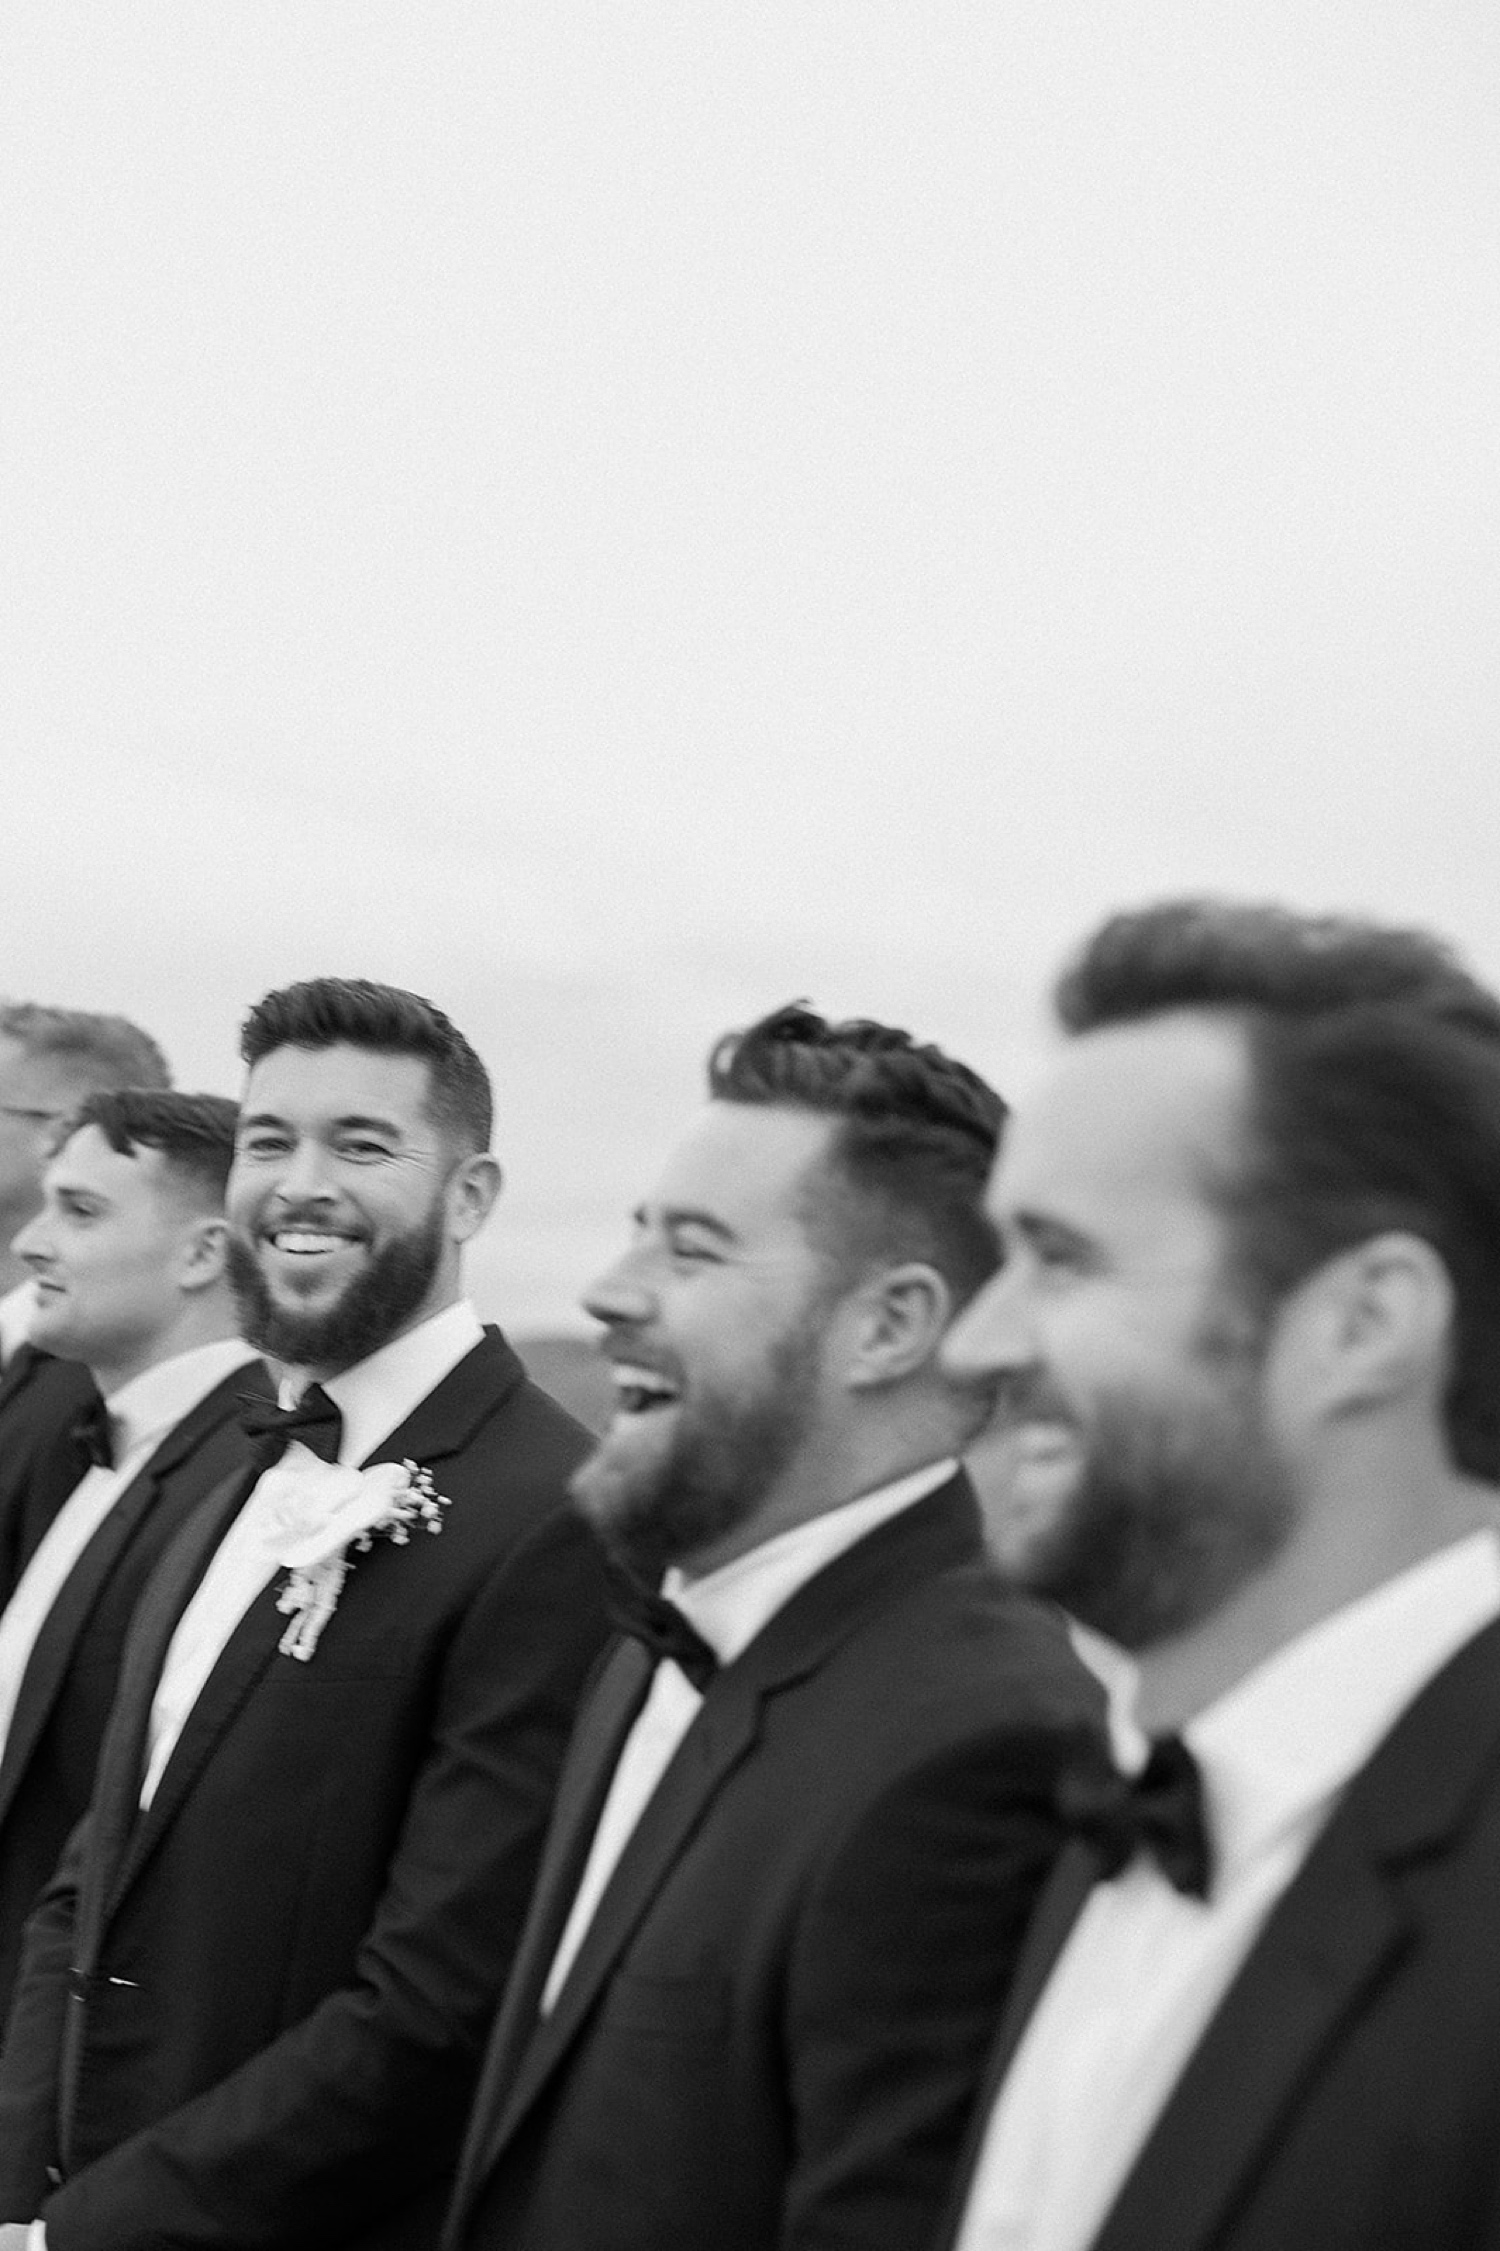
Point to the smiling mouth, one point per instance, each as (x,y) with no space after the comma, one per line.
(306,1242)
(638,1391)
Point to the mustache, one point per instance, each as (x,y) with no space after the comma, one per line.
(1028,1395)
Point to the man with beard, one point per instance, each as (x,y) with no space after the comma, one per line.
(253,1998)
(1248,1334)
(809,1803)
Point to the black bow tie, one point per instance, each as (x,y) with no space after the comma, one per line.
(1159,1810)
(315,1420)
(93,1437)
(661,1627)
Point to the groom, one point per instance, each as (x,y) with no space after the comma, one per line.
(252,1999)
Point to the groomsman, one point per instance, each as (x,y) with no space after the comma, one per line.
(1248,1333)
(808,1806)
(51,1059)
(128,1262)
(253,1999)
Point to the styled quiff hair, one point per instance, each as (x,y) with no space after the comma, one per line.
(1374,1103)
(355,1012)
(915,1137)
(99,1051)
(194,1132)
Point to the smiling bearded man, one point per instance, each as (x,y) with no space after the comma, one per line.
(286,1921)
(749,2007)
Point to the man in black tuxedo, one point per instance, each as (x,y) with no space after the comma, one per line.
(1248,1330)
(808,1804)
(51,1060)
(129,1277)
(253,1999)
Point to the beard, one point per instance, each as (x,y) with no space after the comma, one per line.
(652,1505)
(1176,1505)
(367,1314)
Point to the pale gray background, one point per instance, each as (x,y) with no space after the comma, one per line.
(618,515)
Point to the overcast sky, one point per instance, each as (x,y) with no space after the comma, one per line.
(619,515)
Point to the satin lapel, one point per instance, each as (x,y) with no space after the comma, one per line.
(121,1760)
(1339,1929)
(1336,1934)
(593,1754)
(52,1651)
(446,1420)
(719,1738)
(1058,1909)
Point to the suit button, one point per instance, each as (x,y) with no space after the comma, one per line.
(78,1985)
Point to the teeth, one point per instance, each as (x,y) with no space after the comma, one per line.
(639,1387)
(291,1240)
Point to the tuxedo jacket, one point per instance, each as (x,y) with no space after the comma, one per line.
(1346,2095)
(772,2031)
(52,1748)
(41,1399)
(252,2014)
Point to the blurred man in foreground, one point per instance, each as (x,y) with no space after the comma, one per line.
(1248,1334)
(808,1806)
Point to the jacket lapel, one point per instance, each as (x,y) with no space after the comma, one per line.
(598,1739)
(1338,1931)
(835,1603)
(440,1424)
(53,1649)
(121,1759)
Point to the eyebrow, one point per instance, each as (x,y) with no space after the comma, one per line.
(353,1123)
(1038,1227)
(688,1215)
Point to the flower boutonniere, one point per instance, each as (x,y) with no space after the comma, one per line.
(315,1512)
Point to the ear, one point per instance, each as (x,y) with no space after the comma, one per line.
(1377,1323)
(202,1255)
(471,1192)
(899,1317)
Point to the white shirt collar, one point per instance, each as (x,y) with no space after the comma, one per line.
(1285,1739)
(15,1319)
(377,1394)
(731,1605)
(144,1409)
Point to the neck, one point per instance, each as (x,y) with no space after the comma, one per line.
(1320,1571)
(112,1371)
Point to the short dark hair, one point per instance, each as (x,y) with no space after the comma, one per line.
(104,1051)
(1374,1069)
(356,1012)
(915,1140)
(194,1132)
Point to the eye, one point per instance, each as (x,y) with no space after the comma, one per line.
(363,1149)
(690,1250)
(261,1145)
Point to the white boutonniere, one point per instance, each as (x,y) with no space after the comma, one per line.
(315,1512)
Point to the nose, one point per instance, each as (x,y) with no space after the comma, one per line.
(620,1295)
(30,1242)
(303,1176)
(992,1336)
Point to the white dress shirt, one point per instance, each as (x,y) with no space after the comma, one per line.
(1145,1967)
(728,1607)
(141,1413)
(374,1397)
